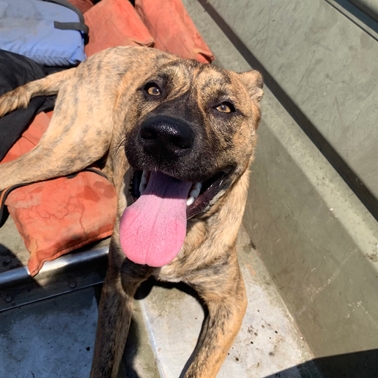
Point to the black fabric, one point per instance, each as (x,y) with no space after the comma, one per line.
(16,70)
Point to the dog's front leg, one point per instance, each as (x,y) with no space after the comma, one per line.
(115,312)
(226,301)
(114,318)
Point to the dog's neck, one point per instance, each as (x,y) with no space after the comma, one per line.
(201,235)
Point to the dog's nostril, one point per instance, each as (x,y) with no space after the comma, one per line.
(166,135)
(147,134)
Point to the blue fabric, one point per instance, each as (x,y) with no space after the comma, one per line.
(27,28)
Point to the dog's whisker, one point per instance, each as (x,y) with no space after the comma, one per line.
(120,144)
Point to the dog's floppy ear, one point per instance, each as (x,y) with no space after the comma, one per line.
(254,83)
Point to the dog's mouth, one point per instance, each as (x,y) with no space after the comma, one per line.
(201,194)
(153,228)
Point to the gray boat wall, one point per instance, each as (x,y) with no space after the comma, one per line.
(312,205)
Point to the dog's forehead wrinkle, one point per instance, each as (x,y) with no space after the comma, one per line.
(179,68)
(221,87)
(210,72)
(195,78)
(161,59)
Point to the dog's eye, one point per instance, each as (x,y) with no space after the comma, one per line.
(225,107)
(152,89)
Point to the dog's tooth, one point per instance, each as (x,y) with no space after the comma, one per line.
(194,193)
(189,201)
(196,189)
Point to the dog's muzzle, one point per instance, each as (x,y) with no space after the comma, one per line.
(166,137)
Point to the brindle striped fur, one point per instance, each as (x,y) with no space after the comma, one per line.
(97,113)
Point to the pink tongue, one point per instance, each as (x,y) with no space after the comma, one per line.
(153,229)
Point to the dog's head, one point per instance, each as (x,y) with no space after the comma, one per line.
(190,135)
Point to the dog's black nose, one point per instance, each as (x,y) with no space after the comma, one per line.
(166,137)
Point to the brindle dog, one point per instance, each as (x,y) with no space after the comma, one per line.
(178,138)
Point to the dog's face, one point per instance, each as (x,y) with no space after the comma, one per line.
(196,123)
(191,130)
